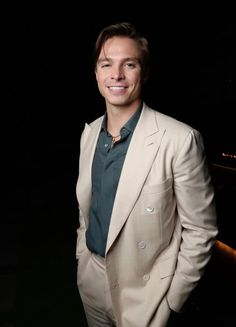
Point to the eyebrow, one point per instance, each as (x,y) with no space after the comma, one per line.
(123,60)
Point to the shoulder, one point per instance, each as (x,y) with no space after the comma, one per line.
(178,137)
(170,124)
(93,126)
(96,122)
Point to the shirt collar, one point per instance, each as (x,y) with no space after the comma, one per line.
(130,124)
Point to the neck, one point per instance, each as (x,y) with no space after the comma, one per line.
(118,116)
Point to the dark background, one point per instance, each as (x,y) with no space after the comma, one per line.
(48,92)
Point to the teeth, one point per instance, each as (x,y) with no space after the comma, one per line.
(117,87)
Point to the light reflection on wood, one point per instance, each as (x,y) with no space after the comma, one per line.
(226,250)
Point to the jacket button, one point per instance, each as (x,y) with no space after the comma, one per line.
(149,209)
(142,244)
(146,277)
(114,285)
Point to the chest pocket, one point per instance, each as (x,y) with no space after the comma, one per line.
(156,198)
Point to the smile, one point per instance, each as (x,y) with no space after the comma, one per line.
(116,87)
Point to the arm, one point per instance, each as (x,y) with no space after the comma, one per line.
(196,210)
(81,242)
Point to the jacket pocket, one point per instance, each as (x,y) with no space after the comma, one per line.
(167,267)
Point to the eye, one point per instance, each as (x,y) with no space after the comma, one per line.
(105,65)
(130,64)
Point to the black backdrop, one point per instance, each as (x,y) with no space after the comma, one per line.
(48,92)
(47,70)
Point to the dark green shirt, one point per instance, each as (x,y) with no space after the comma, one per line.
(106,169)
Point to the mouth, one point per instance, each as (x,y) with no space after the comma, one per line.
(117,88)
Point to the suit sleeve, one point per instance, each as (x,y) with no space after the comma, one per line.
(81,241)
(197,213)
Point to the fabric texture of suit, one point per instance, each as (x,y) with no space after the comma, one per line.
(163,223)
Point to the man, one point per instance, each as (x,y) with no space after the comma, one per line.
(147,213)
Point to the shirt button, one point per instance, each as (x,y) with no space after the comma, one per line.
(106,145)
(142,244)
(149,209)
(146,277)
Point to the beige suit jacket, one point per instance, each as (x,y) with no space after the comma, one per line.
(163,223)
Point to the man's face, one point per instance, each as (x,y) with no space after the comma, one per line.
(118,71)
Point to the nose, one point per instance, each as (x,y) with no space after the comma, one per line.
(117,73)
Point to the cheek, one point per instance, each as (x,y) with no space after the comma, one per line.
(137,85)
(136,80)
(100,79)
(99,84)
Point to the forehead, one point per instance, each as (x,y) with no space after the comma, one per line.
(120,47)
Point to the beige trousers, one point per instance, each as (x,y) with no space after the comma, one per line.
(94,290)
